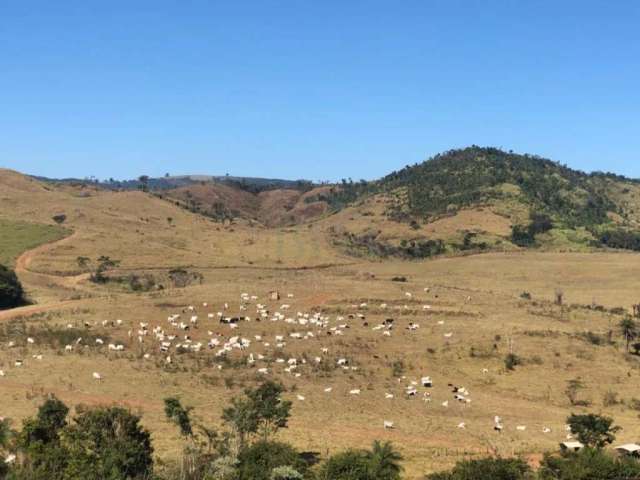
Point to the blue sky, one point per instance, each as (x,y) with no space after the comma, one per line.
(314,89)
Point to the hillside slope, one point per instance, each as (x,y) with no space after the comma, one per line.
(270,207)
(140,230)
(484,198)
(460,178)
(460,201)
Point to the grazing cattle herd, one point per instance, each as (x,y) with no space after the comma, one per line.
(183,332)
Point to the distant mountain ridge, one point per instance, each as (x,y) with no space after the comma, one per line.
(176,181)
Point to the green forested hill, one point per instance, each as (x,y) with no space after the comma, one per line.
(460,178)
(537,195)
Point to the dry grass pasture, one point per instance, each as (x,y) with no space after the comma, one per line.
(470,317)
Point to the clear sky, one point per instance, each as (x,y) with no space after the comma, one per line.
(320,89)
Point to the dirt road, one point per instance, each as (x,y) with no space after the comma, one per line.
(22,270)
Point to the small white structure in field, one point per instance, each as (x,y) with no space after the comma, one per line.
(571,446)
(630,449)
(97,376)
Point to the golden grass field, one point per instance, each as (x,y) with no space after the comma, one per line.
(477,297)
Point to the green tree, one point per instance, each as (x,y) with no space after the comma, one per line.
(223,468)
(271,410)
(108,443)
(179,415)
(243,419)
(104,264)
(203,447)
(521,236)
(348,465)
(5,433)
(40,442)
(144,182)
(11,291)
(588,464)
(629,330)
(257,461)
(262,410)
(593,430)
(6,436)
(384,462)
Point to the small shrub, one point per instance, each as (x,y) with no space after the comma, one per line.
(397,368)
(511,361)
(59,219)
(285,473)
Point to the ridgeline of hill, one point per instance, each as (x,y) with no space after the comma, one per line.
(167,182)
(541,202)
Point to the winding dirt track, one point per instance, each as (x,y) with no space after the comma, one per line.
(24,260)
(74,281)
(22,269)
